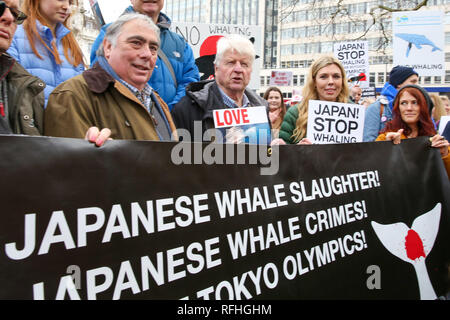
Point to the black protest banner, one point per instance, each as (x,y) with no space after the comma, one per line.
(350,221)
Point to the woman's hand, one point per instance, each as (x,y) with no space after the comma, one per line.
(277,142)
(395,137)
(305,141)
(438,141)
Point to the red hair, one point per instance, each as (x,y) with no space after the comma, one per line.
(72,51)
(424,124)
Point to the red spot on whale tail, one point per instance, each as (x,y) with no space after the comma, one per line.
(414,245)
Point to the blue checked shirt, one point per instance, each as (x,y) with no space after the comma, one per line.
(144,96)
(230,102)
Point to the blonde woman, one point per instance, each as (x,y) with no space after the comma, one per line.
(327,82)
(438,108)
(446,102)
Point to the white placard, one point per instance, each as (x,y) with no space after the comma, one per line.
(442,123)
(334,122)
(419,41)
(354,57)
(203,38)
(281,78)
(231,117)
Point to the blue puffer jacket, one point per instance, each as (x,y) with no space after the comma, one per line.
(373,123)
(179,54)
(46,69)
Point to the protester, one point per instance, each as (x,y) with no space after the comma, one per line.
(327,82)
(114,94)
(21,94)
(446,103)
(355,94)
(366,102)
(277,109)
(233,67)
(44,44)
(176,67)
(438,108)
(411,119)
(380,112)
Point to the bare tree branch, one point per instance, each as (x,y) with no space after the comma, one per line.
(374,20)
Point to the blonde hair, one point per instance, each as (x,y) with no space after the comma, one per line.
(444,98)
(438,110)
(310,93)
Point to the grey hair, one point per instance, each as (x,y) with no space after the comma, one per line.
(235,43)
(114,29)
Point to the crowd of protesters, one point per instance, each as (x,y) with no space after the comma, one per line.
(143,83)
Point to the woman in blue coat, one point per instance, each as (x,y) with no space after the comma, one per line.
(44,44)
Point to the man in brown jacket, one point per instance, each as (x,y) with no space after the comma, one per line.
(114,95)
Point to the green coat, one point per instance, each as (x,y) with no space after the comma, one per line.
(288,125)
(25,98)
(95,99)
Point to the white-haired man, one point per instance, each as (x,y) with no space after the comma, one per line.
(233,67)
(114,95)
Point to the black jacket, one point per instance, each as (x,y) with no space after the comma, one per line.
(198,104)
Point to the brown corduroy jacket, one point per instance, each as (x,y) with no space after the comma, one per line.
(96,99)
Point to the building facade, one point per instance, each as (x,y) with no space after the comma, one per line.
(296,32)
(85,29)
(308,29)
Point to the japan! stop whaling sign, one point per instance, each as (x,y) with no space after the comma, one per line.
(354,57)
(334,122)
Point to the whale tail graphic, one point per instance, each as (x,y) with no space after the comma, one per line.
(413,244)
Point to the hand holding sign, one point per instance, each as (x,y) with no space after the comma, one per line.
(395,137)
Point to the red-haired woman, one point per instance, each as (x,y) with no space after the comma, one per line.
(44,44)
(411,119)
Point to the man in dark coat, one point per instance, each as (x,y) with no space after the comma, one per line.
(233,67)
(21,94)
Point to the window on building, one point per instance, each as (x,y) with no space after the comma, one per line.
(326,47)
(286,34)
(302,80)
(286,49)
(427,80)
(313,31)
(447,76)
(372,79)
(261,81)
(299,48)
(315,47)
(437,79)
(295,80)
(380,77)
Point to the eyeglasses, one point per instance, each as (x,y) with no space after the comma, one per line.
(19,16)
